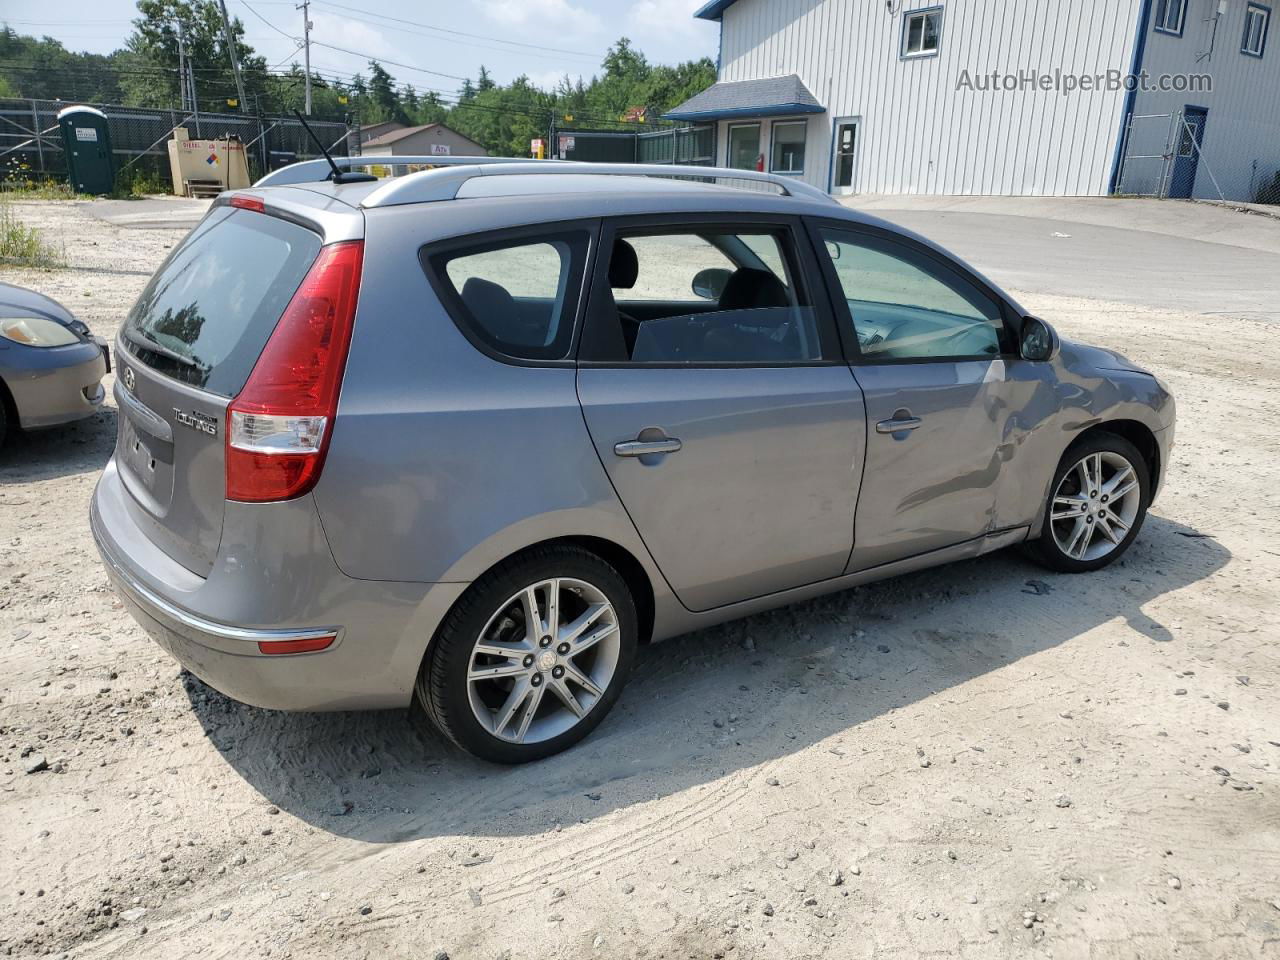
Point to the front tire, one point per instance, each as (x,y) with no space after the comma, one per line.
(1097,503)
(4,412)
(532,657)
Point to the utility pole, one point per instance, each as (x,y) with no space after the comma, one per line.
(231,52)
(187,77)
(306,49)
(182,67)
(191,82)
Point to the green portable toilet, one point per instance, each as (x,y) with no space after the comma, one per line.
(87,141)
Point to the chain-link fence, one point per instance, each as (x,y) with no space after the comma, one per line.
(1190,154)
(31,146)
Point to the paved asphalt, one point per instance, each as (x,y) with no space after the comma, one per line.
(1199,258)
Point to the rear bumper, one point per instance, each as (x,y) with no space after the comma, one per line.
(382,629)
(56,386)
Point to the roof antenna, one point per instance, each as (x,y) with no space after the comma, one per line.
(337,175)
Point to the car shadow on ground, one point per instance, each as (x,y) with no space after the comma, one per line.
(74,448)
(704,705)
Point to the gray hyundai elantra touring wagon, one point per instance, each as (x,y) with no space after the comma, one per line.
(472,435)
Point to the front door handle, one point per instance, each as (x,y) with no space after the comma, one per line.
(641,448)
(898,423)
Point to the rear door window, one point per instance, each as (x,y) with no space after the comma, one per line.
(209,310)
(706,295)
(515,298)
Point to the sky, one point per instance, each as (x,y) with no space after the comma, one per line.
(544,39)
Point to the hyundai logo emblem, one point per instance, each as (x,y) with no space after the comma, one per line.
(128,379)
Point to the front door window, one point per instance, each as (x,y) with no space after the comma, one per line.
(905,305)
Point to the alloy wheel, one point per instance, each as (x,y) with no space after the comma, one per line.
(543,660)
(1095,506)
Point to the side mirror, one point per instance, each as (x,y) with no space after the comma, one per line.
(1038,341)
(710,283)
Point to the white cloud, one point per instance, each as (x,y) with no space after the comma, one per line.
(671,23)
(546,16)
(353,35)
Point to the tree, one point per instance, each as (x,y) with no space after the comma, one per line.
(624,84)
(503,118)
(383,98)
(151,52)
(45,69)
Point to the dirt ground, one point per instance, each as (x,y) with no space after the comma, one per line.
(981,761)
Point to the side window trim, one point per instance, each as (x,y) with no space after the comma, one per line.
(800,261)
(576,288)
(844,319)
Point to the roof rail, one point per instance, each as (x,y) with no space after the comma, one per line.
(316,171)
(429,185)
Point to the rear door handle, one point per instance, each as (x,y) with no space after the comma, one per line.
(640,448)
(901,423)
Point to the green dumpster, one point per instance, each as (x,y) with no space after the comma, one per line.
(87,141)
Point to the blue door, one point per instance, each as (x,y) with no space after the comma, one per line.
(1189,141)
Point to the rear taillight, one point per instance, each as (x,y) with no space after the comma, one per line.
(278,428)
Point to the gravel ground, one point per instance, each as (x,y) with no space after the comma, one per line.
(979,761)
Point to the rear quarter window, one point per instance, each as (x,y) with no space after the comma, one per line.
(513,298)
(210,308)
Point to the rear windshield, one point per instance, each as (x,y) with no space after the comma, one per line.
(207,313)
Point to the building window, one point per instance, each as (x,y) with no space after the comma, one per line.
(921,32)
(744,147)
(1257,19)
(1170,16)
(787,154)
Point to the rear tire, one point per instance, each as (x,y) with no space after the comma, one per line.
(1097,503)
(508,691)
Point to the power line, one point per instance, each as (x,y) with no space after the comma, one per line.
(296,40)
(394,63)
(354,53)
(457,33)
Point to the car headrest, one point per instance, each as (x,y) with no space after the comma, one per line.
(623,265)
(485,298)
(749,289)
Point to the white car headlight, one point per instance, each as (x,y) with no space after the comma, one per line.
(36,332)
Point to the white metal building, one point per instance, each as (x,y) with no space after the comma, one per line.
(962,97)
